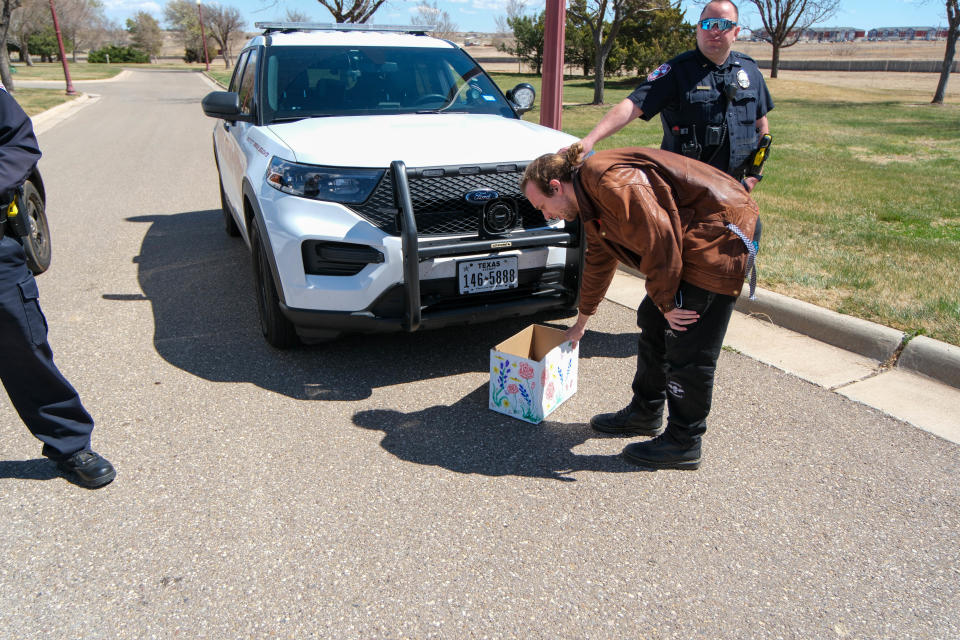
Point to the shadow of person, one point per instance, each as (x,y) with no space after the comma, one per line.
(37,469)
(467,437)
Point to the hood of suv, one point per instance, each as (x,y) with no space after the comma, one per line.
(419,140)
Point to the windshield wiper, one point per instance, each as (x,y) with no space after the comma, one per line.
(296,118)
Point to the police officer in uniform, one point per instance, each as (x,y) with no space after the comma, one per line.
(45,400)
(712,101)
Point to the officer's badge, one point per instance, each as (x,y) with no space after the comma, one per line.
(659,72)
(743,79)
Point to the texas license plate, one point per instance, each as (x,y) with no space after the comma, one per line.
(489,274)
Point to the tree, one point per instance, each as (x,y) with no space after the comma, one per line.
(145,34)
(650,38)
(784,21)
(295,15)
(26,22)
(181,16)
(578,49)
(515,9)
(358,11)
(953,22)
(223,22)
(6,10)
(431,14)
(527,39)
(80,21)
(594,15)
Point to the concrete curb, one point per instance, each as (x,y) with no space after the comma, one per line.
(852,334)
(932,358)
(45,120)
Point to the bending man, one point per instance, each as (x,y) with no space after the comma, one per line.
(688,227)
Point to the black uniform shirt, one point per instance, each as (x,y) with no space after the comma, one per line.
(691,93)
(19,151)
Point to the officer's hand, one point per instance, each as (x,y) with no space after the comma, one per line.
(750,182)
(679,318)
(587,148)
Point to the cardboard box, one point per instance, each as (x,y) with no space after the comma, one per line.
(532,373)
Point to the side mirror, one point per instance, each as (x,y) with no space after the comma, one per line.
(522,96)
(222,104)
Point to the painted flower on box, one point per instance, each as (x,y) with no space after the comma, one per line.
(526,371)
(512,388)
(550,390)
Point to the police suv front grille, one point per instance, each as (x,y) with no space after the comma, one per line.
(439,206)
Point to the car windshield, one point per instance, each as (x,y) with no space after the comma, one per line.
(312,81)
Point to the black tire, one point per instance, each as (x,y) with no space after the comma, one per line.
(277,330)
(37,242)
(229,224)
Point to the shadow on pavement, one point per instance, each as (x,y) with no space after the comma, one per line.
(467,438)
(37,469)
(200,285)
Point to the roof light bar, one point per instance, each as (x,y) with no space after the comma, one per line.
(269,27)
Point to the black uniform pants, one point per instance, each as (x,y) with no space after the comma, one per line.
(45,400)
(677,367)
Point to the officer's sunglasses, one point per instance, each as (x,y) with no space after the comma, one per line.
(717,23)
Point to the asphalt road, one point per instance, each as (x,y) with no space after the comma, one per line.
(362,489)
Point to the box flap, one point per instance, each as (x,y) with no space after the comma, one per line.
(545,340)
(519,345)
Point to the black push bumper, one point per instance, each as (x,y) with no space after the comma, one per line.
(437,303)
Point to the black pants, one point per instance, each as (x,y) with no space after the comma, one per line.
(677,367)
(45,400)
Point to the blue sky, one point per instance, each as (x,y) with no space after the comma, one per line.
(480,15)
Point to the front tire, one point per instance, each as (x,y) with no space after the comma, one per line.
(36,245)
(277,330)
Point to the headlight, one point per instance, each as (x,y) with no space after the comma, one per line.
(350,186)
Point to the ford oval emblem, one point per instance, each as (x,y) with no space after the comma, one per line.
(480,196)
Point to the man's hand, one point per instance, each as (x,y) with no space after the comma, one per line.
(679,318)
(750,182)
(575,333)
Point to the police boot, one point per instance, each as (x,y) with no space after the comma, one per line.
(664,452)
(628,422)
(88,469)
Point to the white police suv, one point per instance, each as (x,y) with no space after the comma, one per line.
(374,174)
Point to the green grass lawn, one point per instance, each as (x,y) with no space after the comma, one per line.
(54,71)
(860,199)
(34,101)
(221,76)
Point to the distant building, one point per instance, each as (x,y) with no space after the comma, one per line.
(832,34)
(906,33)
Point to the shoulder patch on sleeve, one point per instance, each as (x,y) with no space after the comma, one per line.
(659,72)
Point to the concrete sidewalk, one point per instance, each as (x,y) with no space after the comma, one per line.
(854,358)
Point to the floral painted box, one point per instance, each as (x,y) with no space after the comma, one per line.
(532,373)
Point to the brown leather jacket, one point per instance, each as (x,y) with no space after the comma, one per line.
(664,215)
